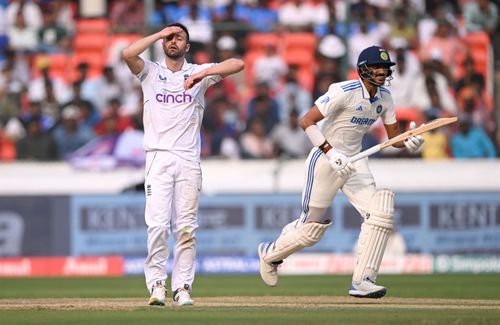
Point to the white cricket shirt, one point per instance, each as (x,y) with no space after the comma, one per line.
(349,112)
(172,115)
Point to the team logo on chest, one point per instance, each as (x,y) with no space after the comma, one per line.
(379,109)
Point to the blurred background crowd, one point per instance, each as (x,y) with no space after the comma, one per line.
(64,89)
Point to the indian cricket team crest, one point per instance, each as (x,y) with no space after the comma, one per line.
(384,56)
(379,109)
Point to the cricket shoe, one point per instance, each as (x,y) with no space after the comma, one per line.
(268,271)
(182,297)
(367,289)
(158,293)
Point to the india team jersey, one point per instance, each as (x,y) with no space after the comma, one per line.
(172,115)
(349,112)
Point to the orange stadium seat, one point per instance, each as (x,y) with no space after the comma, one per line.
(478,44)
(409,114)
(352,74)
(90,42)
(298,56)
(305,77)
(274,4)
(126,38)
(480,58)
(58,64)
(95,61)
(477,40)
(260,40)
(58,61)
(249,59)
(301,40)
(94,26)
(479,47)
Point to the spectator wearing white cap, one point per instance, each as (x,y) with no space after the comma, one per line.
(362,38)
(298,15)
(293,96)
(46,88)
(70,135)
(226,43)
(234,85)
(481,16)
(30,11)
(405,72)
(22,36)
(270,67)
(3,21)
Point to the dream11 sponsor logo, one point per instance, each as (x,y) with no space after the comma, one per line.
(362,120)
(15,267)
(85,266)
(169,97)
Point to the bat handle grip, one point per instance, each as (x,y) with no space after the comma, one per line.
(366,153)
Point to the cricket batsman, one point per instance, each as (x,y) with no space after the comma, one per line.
(349,109)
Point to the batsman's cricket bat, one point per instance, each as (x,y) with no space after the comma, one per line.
(403,136)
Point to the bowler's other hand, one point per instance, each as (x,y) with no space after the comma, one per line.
(340,163)
(414,143)
(193,80)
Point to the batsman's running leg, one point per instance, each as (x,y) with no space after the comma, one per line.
(372,241)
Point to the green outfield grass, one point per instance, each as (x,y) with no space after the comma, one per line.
(411,299)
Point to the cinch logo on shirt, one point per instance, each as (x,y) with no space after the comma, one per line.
(362,120)
(167,98)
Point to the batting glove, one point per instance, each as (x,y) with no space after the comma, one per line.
(414,143)
(340,163)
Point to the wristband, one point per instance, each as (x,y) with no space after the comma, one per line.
(317,138)
(325,147)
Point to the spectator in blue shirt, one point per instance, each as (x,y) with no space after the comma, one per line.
(471,141)
(263,18)
(70,135)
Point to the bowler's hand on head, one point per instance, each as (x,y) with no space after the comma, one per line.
(169,31)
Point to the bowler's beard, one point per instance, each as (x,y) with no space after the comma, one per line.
(174,55)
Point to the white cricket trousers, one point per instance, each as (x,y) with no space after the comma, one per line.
(322,184)
(172,189)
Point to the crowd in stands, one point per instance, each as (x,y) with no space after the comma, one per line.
(63,83)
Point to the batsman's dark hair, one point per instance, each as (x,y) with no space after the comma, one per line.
(184,28)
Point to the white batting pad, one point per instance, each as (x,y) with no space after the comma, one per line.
(293,240)
(374,234)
